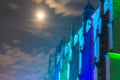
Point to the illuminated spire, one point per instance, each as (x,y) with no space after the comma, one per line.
(72,30)
(88,11)
(72,34)
(50,60)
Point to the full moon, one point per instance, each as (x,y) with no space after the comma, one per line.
(40,15)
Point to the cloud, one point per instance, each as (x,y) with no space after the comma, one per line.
(6,46)
(51,51)
(37,1)
(16,41)
(66,7)
(12,5)
(16,64)
(6,60)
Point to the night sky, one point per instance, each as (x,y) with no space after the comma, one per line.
(26,43)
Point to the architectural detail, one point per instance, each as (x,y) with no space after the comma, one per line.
(85,56)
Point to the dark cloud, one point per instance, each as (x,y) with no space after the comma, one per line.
(37,1)
(16,41)
(69,7)
(60,7)
(66,7)
(12,5)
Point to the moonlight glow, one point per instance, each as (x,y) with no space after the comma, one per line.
(40,15)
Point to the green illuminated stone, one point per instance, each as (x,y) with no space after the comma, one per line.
(116,8)
(114,66)
(116,24)
(114,55)
(64,69)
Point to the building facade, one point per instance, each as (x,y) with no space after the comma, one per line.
(85,56)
